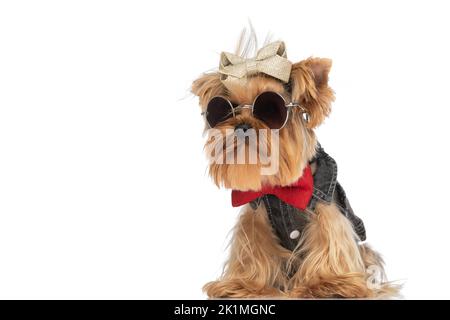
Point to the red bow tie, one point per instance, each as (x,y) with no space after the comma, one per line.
(297,194)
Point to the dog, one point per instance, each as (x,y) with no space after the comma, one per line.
(297,235)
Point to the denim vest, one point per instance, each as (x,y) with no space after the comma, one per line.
(289,222)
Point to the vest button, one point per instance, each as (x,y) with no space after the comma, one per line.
(294,234)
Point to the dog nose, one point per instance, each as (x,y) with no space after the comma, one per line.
(243,126)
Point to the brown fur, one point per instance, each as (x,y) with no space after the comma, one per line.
(297,143)
(309,80)
(327,264)
(332,265)
(255,266)
(328,261)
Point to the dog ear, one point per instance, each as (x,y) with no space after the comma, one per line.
(309,87)
(207,86)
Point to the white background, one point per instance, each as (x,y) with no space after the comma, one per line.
(103,184)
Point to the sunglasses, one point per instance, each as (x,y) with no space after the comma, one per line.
(269,107)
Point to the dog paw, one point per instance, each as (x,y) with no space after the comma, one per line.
(345,286)
(239,289)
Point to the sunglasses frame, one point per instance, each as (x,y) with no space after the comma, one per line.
(289,106)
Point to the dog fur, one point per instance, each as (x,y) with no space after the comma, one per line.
(327,261)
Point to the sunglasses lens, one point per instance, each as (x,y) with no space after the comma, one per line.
(218,110)
(270,107)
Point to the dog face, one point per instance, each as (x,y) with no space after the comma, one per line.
(296,141)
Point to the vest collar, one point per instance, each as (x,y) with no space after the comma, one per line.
(325,176)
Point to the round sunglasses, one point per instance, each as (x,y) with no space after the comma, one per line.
(269,107)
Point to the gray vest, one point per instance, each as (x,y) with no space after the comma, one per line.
(289,222)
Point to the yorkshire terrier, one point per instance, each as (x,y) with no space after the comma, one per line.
(297,235)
